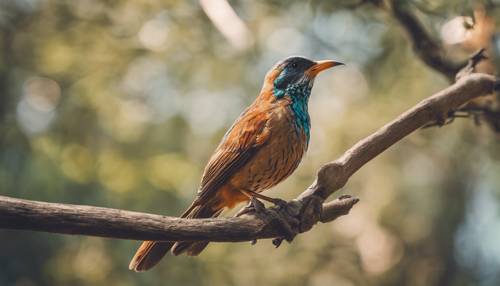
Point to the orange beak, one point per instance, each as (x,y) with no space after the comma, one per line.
(321,66)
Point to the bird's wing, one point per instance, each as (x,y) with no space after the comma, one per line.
(238,146)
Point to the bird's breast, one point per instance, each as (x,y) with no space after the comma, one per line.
(278,158)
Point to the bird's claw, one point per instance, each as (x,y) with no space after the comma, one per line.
(286,228)
(253,207)
(284,221)
(277,241)
(281,204)
(278,215)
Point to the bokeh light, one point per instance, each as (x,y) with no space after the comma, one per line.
(121,103)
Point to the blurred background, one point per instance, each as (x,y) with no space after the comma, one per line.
(120,103)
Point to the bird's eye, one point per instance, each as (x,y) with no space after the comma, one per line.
(294,65)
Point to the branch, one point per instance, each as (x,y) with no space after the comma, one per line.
(113,223)
(425,46)
(307,209)
(334,175)
(432,53)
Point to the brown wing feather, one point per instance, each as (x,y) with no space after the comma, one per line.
(238,146)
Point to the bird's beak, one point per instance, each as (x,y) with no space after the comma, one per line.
(321,66)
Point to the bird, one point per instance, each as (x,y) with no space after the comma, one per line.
(262,148)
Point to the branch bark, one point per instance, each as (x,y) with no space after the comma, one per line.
(308,209)
(114,223)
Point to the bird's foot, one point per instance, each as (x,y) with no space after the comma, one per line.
(284,220)
(277,241)
(254,206)
(281,204)
(279,216)
(286,228)
(288,223)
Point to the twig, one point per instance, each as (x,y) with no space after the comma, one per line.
(472,63)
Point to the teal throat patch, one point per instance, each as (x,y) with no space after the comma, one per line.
(299,94)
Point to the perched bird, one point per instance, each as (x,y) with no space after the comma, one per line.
(262,147)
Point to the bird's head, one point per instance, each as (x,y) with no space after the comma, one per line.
(294,76)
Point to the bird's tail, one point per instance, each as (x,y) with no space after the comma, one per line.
(195,248)
(151,252)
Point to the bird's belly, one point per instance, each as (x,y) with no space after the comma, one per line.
(273,163)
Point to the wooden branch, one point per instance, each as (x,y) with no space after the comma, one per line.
(334,175)
(113,223)
(307,209)
(430,51)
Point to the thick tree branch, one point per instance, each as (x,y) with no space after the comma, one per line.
(307,209)
(114,223)
(334,175)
